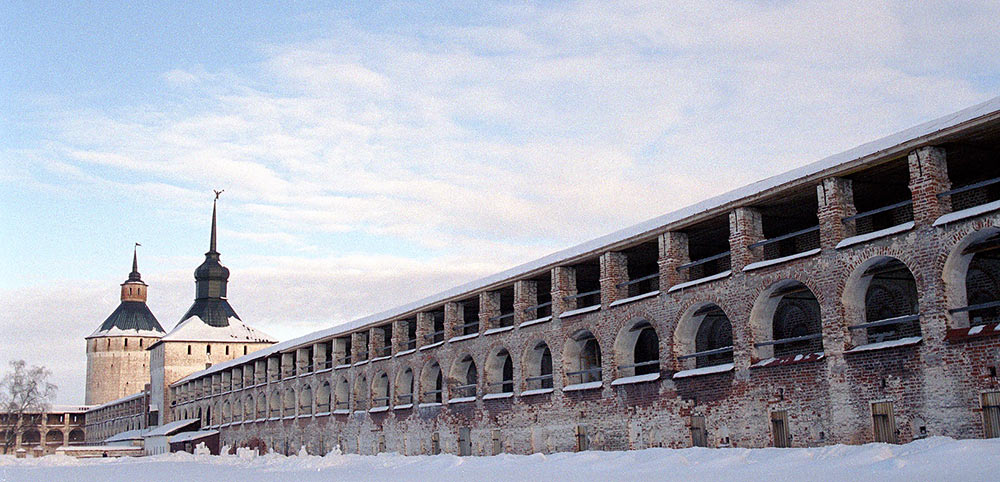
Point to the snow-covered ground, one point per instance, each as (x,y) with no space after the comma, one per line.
(932,459)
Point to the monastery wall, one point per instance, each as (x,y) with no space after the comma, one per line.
(858,305)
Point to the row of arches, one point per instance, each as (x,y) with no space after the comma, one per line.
(53,437)
(880,299)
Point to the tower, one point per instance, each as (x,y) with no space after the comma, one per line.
(117,360)
(209,332)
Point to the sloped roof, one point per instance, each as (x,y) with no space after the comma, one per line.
(235,330)
(171,428)
(130,318)
(135,434)
(189,436)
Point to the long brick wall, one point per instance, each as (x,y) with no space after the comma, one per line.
(860,386)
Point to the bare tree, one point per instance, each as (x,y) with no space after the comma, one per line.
(23,392)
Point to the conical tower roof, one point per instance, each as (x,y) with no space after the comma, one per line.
(132,317)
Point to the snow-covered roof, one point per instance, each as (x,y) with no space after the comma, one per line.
(188,436)
(130,318)
(69,408)
(116,401)
(886,147)
(170,428)
(135,434)
(195,329)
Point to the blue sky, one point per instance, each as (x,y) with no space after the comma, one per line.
(372,155)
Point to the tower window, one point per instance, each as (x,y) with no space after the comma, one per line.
(208,349)
(189,349)
(244,349)
(140,342)
(126,343)
(227,349)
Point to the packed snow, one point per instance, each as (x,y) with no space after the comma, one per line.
(935,458)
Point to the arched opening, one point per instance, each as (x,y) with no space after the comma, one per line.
(31,437)
(704,338)
(262,406)
(404,387)
(248,408)
(361,393)
(342,395)
(237,411)
(500,372)
(882,302)
(274,407)
(787,320)
(431,384)
(305,400)
(288,402)
(537,367)
(582,358)
(53,438)
(380,390)
(972,273)
(637,349)
(323,398)
(227,413)
(76,436)
(464,378)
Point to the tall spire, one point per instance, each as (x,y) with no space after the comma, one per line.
(211,246)
(134,275)
(211,278)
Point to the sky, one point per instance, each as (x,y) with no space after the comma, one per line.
(374,154)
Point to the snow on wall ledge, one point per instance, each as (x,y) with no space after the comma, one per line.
(935,458)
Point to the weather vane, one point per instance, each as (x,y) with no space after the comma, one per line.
(217,193)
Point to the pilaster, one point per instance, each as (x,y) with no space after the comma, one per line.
(673,254)
(563,286)
(745,228)
(928,178)
(614,272)
(525,295)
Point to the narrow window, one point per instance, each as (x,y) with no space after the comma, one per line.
(189,349)
(208,349)
(227,349)
(126,343)
(140,342)
(244,349)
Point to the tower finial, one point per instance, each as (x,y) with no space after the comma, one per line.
(135,261)
(134,275)
(211,247)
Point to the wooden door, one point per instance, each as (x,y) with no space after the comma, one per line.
(699,436)
(991,414)
(779,429)
(581,438)
(464,442)
(884,422)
